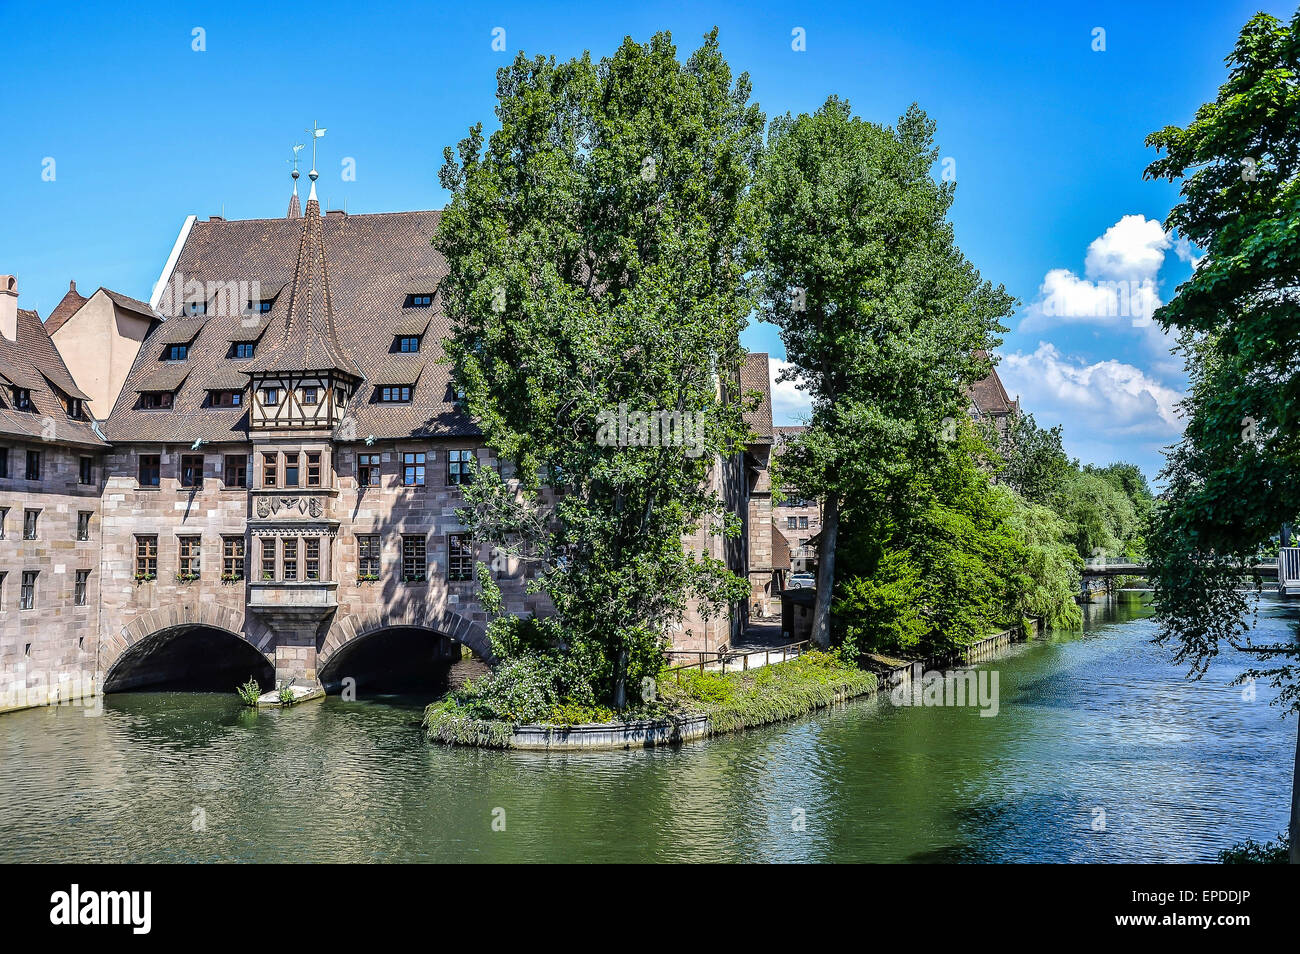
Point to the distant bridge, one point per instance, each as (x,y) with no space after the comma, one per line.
(1286,570)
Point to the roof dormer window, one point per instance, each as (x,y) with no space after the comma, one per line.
(23,400)
(242,349)
(418,301)
(225,398)
(196,308)
(408,344)
(74,408)
(176,352)
(395,394)
(260,306)
(156,400)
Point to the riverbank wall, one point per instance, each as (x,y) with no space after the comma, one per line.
(605,736)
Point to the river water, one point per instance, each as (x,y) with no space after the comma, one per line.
(1100,751)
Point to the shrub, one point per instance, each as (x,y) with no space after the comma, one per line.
(1251,852)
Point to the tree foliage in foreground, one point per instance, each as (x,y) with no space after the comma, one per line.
(597,245)
(1231,478)
(884,321)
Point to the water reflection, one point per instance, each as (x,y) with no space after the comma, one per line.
(1096,725)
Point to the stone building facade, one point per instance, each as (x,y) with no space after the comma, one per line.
(51,479)
(278,476)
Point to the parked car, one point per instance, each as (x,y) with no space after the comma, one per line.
(802,581)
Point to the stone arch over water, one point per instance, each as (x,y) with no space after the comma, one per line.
(198,646)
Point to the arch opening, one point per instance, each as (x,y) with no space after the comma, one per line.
(400,660)
(193,658)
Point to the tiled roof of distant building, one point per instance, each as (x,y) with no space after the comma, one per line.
(754,376)
(31,362)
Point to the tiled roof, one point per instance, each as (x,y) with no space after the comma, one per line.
(31,361)
(754,376)
(130,304)
(348,273)
(65,309)
(990,397)
(371,261)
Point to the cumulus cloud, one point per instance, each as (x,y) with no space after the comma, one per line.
(789,404)
(1108,398)
(1119,282)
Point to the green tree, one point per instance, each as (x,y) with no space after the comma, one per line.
(597,246)
(1230,479)
(1033,462)
(883,320)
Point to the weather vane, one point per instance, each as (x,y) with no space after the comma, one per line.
(298,147)
(315,132)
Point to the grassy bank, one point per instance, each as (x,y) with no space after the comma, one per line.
(733,701)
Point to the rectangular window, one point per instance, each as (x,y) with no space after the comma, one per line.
(368,470)
(79,588)
(310,396)
(289,558)
(419,301)
(458,471)
(74,408)
(33,465)
(27,598)
(260,305)
(232,558)
(270,396)
(155,400)
(368,556)
(268,558)
(241,349)
(4,519)
(4,462)
(196,308)
(409,344)
(190,557)
(460,557)
(269,476)
(3,576)
(83,524)
(792,523)
(400,394)
(177,352)
(23,400)
(413,469)
(150,470)
(225,398)
(313,468)
(29,524)
(146,557)
(236,471)
(291,470)
(311,558)
(415,564)
(191,470)
(803,523)
(86,470)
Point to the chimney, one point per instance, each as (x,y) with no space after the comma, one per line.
(72,286)
(9,307)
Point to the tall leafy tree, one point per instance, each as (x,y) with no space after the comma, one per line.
(597,245)
(883,320)
(1231,478)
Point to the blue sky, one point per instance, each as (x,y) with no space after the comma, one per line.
(1045,135)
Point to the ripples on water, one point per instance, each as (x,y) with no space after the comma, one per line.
(1088,722)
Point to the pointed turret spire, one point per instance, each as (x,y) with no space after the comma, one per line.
(310,341)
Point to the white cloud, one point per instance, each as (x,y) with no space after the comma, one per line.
(1107,399)
(789,404)
(1119,282)
(1131,249)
